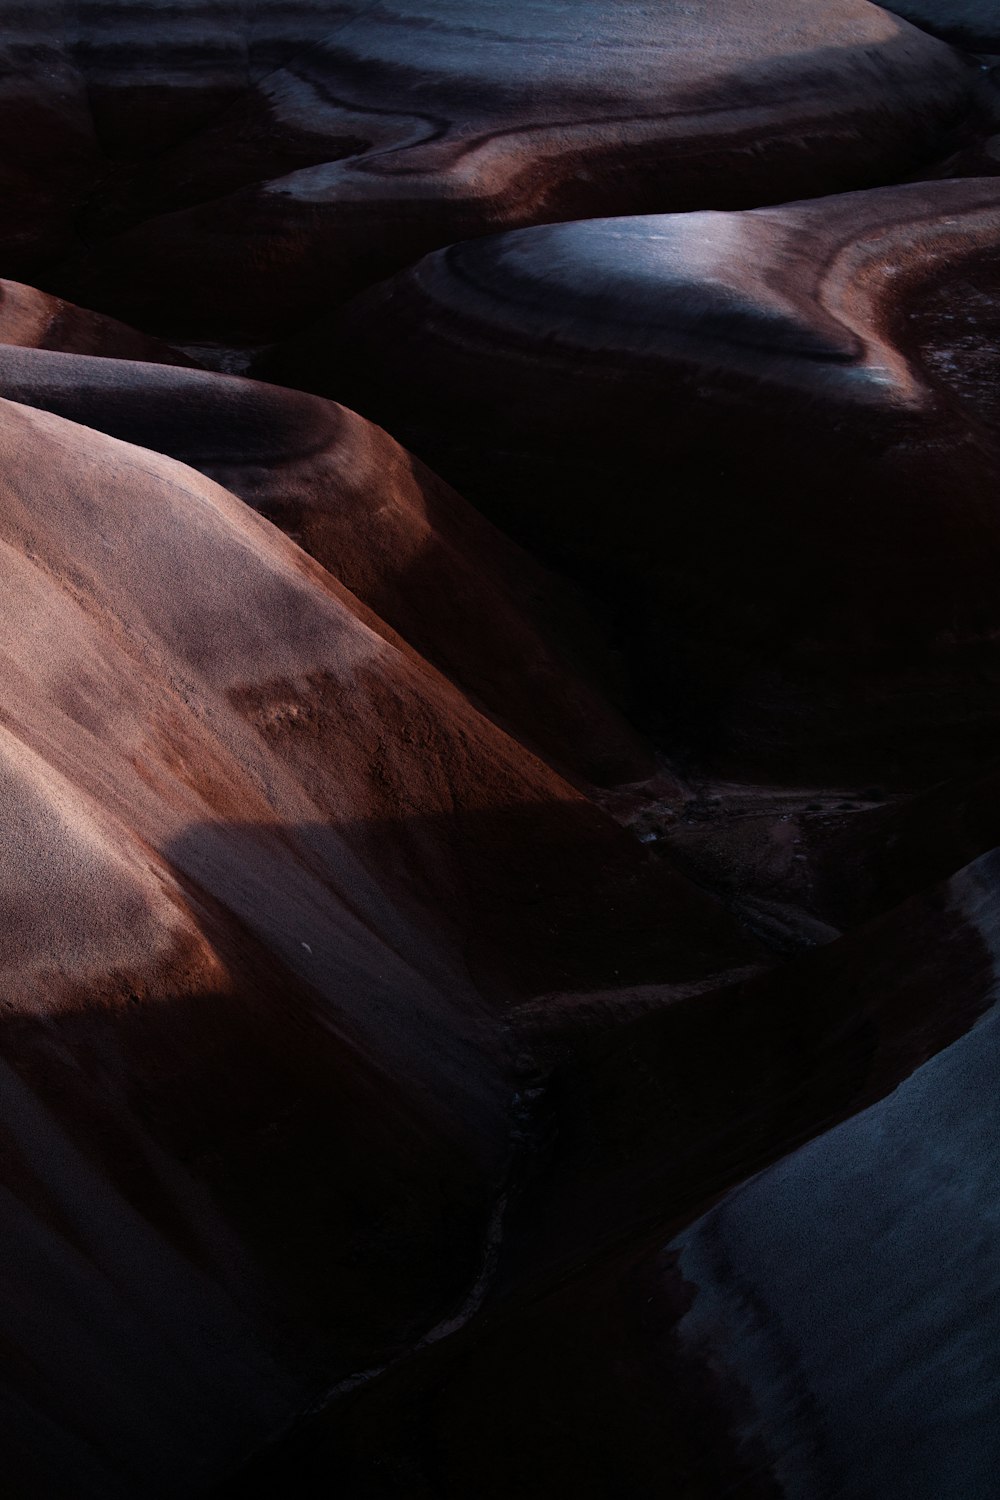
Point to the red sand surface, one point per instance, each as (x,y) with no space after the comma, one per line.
(498,906)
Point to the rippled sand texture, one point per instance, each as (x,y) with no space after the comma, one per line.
(499,795)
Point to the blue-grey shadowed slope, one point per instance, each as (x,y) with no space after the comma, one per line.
(852,1291)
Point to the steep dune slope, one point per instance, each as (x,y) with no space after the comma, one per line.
(202,168)
(498,984)
(766,438)
(458,591)
(864,1224)
(269,878)
(968,23)
(31,319)
(720,1372)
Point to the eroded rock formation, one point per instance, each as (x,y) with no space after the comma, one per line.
(499,969)
(340,144)
(766,440)
(270,879)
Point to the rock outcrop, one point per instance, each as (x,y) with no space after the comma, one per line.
(196,168)
(499,793)
(767,440)
(271,884)
(458,591)
(969,23)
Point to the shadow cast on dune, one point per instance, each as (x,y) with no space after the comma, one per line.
(289,1177)
(642,1129)
(256,1166)
(779,493)
(152,240)
(307,1153)
(379,1114)
(514,639)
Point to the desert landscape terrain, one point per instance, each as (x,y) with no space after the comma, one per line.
(500,749)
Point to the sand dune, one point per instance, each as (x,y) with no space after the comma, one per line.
(439,574)
(837,355)
(499,686)
(271,882)
(340,145)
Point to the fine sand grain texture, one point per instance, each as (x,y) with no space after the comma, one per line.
(196,168)
(499,773)
(765,441)
(270,883)
(502,627)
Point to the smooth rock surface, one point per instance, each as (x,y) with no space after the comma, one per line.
(849,1292)
(733,1357)
(201,167)
(453,586)
(767,440)
(31,319)
(251,978)
(969,23)
(498,983)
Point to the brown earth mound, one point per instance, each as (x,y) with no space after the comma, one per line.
(193,168)
(497,984)
(766,440)
(271,884)
(459,592)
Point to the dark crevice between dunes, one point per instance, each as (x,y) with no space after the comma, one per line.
(387,1182)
